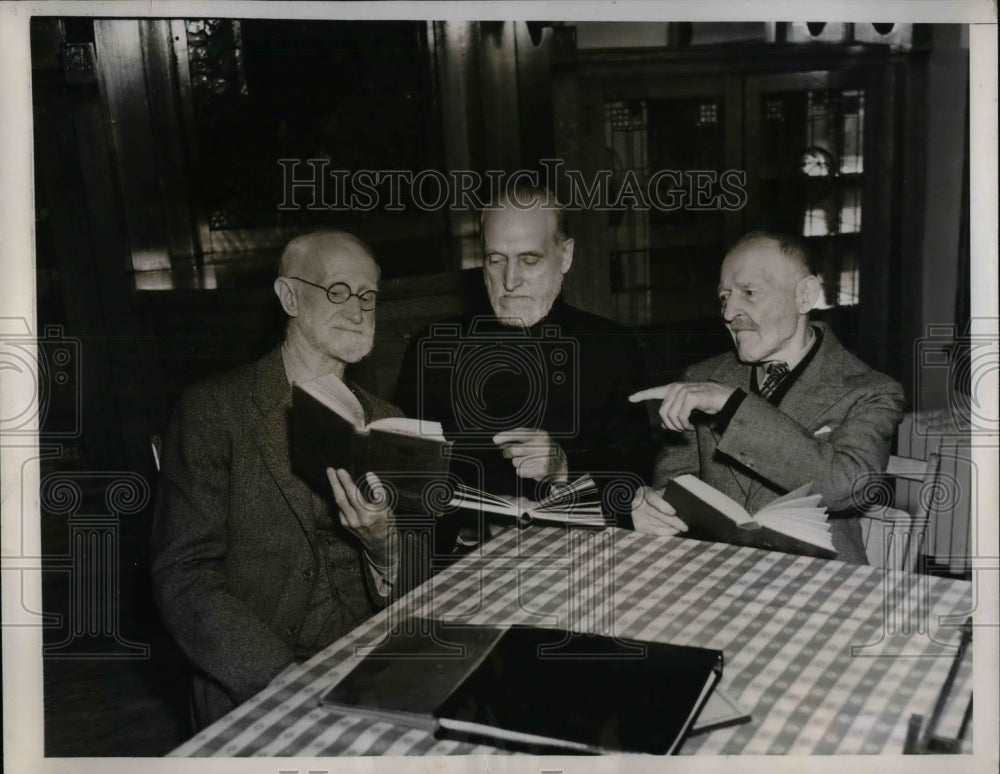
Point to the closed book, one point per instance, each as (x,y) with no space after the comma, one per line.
(405,678)
(328,431)
(796,523)
(533,688)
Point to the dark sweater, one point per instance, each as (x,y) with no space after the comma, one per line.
(570,375)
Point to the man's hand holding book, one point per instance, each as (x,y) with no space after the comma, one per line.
(651,513)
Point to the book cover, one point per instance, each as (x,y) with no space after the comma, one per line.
(407,676)
(535,688)
(327,432)
(795,523)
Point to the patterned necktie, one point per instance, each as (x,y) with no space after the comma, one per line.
(776,371)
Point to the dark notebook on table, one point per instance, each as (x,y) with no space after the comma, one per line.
(525,686)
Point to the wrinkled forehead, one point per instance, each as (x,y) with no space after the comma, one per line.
(519,223)
(337,258)
(759,263)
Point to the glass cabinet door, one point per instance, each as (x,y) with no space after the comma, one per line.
(812,172)
(679,144)
(808,151)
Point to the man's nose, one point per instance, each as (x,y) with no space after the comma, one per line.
(512,276)
(351,309)
(730,309)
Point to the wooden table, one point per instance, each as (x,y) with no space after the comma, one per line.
(828,657)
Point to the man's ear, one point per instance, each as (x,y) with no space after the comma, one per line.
(287,296)
(567,255)
(807,293)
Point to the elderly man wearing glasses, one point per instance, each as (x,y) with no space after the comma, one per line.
(254,570)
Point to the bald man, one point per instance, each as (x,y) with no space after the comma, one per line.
(789,406)
(253,570)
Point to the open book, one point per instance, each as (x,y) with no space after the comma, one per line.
(577,504)
(531,687)
(329,430)
(795,523)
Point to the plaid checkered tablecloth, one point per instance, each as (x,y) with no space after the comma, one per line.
(828,657)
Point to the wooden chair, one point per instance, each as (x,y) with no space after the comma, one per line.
(931,513)
(894,538)
(156,447)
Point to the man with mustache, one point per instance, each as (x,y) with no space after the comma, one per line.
(532,390)
(253,569)
(789,406)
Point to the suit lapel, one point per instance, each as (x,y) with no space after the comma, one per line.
(273,398)
(733,373)
(820,386)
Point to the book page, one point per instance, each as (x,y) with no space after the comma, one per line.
(813,516)
(814,502)
(719,711)
(799,493)
(794,529)
(570,508)
(571,516)
(583,488)
(575,503)
(420,428)
(787,525)
(503,734)
(476,499)
(798,501)
(333,393)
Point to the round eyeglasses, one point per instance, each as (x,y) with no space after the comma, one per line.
(339,292)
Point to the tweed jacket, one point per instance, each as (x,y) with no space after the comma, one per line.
(234,535)
(833,427)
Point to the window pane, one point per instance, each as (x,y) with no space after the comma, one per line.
(812,162)
(350,95)
(657,253)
